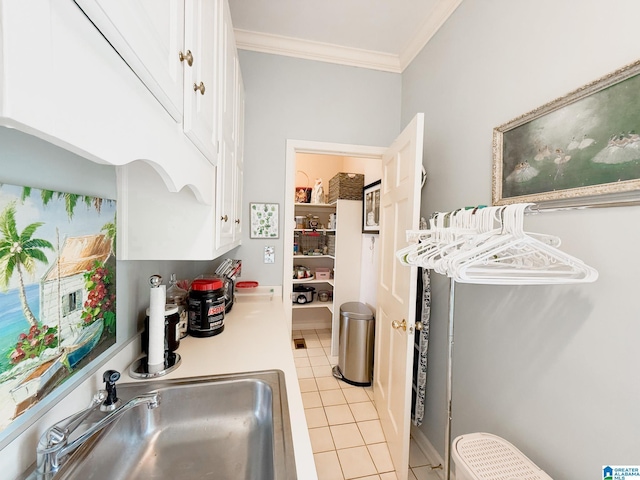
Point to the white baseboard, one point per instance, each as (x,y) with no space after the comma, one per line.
(429,451)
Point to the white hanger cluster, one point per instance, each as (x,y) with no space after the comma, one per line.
(489,245)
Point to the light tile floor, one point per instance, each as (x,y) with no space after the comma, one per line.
(346,436)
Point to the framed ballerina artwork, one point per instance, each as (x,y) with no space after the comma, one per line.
(580,149)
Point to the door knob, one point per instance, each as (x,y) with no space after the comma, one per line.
(419,326)
(188,57)
(225,218)
(399,325)
(200,87)
(238,221)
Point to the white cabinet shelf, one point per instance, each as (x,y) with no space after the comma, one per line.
(313,281)
(314,304)
(315,205)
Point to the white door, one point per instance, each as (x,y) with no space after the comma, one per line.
(399,212)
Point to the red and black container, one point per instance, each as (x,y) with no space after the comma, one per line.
(206,307)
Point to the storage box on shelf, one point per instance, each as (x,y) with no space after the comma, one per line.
(323,273)
(346,186)
(331,245)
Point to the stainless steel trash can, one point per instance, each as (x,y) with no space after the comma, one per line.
(355,348)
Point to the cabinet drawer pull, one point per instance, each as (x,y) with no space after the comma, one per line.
(238,221)
(188,57)
(199,87)
(225,218)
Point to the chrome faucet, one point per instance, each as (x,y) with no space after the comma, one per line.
(54,446)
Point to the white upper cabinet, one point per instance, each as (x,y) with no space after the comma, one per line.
(179,229)
(172,47)
(149,35)
(239,158)
(227,168)
(61,81)
(200,74)
(149,86)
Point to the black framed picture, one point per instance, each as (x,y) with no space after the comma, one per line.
(371,207)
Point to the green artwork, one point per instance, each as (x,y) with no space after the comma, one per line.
(264,220)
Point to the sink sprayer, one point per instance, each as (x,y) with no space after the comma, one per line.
(54,446)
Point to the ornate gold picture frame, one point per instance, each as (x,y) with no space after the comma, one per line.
(580,149)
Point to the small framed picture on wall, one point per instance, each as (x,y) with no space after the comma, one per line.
(264,220)
(371,208)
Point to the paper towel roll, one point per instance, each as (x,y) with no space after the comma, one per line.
(155,356)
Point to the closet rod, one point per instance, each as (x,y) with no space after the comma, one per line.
(533,209)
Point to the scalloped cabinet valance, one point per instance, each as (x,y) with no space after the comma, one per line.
(130,82)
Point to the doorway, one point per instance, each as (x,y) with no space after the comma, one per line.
(395,299)
(306,161)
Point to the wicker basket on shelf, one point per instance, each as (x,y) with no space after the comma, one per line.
(346,186)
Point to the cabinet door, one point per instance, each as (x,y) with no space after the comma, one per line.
(239,156)
(228,133)
(224,198)
(201,82)
(148,35)
(228,73)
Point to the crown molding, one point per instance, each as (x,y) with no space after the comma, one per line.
(325,52)
(310,50)
(429,28)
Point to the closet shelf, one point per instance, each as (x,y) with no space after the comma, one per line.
(314,304)
(316,205)
(313,280)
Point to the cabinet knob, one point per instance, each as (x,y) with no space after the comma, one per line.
(188,57)
(199,87)
(224,219)
(238,221)
(399,325)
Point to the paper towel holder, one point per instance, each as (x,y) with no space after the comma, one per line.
(139,369)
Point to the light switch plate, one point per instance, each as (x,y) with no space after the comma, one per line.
(269,254)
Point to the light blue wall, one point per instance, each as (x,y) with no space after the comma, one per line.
(288,98)
(553,369)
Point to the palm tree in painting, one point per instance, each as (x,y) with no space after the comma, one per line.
(19,252)
(70,200)
(109,230)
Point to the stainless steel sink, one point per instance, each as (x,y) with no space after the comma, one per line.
(232,427)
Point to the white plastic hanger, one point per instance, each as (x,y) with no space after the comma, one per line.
(489,245)
(517,258)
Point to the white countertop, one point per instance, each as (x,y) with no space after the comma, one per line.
(255,337)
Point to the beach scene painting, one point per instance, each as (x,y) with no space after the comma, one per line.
(582,145)
(57,291)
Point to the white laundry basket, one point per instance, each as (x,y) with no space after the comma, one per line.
(483,456)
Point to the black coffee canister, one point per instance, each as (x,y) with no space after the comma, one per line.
(206,307)
(171,329)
